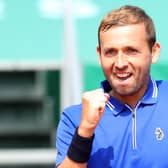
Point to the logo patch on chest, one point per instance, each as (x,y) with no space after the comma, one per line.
(159,134)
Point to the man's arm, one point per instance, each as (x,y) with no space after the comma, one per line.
(93,104)
(68,163)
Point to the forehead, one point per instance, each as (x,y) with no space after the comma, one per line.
(122,35)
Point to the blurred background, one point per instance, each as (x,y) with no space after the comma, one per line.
(47,59)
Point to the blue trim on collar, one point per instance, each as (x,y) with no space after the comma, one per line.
(116,106)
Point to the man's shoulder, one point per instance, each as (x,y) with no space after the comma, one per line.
(71,115)
(73,110)
(75,107)
(162,84)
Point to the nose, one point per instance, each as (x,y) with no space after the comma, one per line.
(121,61)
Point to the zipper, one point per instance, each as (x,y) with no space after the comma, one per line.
(134,125)
(134,141)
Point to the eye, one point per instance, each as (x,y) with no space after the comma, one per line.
(110,52)
(131,51)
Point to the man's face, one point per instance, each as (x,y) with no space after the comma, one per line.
(125,57)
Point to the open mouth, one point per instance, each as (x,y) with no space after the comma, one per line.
(123,76)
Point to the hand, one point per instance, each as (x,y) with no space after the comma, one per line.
(93,105)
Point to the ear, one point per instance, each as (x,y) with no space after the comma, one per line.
(98,50)
(155,52)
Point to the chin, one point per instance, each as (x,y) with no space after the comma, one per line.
(125,92)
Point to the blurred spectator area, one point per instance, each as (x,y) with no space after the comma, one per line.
(35,54)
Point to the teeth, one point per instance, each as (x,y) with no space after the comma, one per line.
(122,75)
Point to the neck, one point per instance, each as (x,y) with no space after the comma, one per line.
(131,99)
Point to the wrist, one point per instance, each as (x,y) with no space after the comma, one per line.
(80,148)
(85,131)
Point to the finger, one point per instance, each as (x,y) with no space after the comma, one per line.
(102,97)
(101,91)
(99,106)
(107,96)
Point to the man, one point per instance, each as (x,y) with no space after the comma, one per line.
(124,123)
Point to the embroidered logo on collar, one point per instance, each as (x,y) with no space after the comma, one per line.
(159,134)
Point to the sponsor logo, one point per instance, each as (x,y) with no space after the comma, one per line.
(159,134)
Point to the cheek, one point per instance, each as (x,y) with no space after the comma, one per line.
(143,70)
(106,63)
(107,69)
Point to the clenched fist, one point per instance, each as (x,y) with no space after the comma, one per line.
(93,105)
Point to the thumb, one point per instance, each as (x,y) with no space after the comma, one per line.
(107,96)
